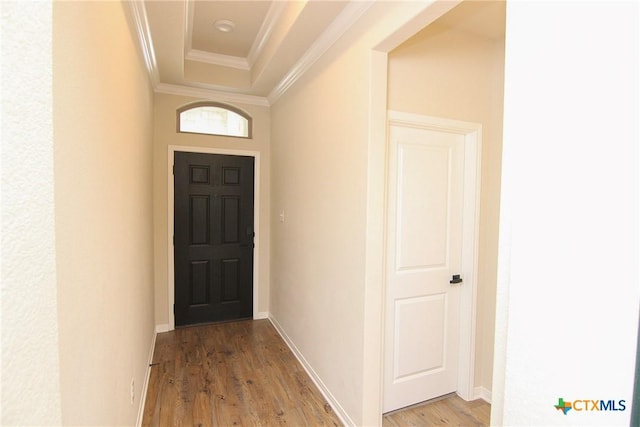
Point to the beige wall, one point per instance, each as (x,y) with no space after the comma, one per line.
(319,181)
(165,134)
(102,105)
(321,169)
(447,73)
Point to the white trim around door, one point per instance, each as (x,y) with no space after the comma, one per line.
(472,133)
(170,221)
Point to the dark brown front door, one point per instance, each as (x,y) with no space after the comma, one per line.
(213,237)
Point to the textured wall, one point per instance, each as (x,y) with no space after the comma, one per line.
(30,373)
(567,310)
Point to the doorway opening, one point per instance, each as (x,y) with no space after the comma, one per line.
(431,258)
(228,267)
(213,237)
(418,68)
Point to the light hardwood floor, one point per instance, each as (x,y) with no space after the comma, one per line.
(242,373)
(448,410)
(239,373)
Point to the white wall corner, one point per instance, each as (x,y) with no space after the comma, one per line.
(162,327)
(145,386)
(482,393)
(335,405)
(261,315)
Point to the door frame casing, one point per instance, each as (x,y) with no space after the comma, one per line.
(170,220)
(470,234)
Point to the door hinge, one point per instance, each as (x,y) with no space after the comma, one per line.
(173,169)
(174,309)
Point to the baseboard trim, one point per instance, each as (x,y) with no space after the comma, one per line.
(162,327)
(261,315)
(482,393)
(145,386)
(337,408)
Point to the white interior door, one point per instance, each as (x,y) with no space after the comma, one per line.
(424,250)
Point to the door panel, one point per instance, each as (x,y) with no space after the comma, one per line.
(213,237)
(423,252)
(423,170)
(419,351)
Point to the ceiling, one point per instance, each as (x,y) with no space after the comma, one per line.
(248,17)
(480,18)
(272,42)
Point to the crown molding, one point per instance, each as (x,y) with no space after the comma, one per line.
(237,62)
(268,25)
(351,13)
(210,94)
(141,24)
(192,54)
(189,8)
(218,59)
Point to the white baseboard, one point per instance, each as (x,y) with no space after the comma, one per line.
(145,386)
(337,408)
(261,315)
(482,393)
(162,327)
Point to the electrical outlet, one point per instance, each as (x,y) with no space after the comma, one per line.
(133,391)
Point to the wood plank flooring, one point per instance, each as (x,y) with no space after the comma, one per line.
(239,373)
(448,410)
(242,373)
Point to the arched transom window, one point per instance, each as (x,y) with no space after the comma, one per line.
(212,118)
